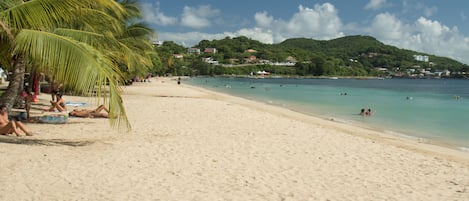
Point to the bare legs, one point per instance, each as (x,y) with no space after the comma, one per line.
(57,106)
(12,127)
(97,112)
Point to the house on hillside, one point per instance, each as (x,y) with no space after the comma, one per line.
(157,43)
(250,59)
(210,60)
(423,58)
(178,56)
(210,50)
(193,50)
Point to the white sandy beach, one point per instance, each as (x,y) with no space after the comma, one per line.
(191,144)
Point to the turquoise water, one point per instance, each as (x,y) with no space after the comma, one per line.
(427,109)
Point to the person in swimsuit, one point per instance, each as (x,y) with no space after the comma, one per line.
(58,105)
(90,113)
(8,127)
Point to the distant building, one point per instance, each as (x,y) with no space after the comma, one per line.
(210,50)
(157,43)
(423,58)
(193,50)
(250,59)
(262,73)
(178,56)
(210,61)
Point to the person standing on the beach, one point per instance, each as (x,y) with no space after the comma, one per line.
(7,127)
(28,99)
(179,80)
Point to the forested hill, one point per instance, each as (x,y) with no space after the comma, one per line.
(368,51)
(361,51)
(346,56)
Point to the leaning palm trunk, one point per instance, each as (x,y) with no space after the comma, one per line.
(12,95)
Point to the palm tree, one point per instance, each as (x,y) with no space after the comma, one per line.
(30,34)
(135,45)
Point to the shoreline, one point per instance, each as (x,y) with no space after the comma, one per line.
(375,133)
(395,129)
(190,143)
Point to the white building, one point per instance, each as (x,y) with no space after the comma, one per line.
(423,58)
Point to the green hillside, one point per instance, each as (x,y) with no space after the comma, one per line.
(346,56)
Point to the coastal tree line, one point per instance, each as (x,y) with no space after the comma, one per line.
(346,56)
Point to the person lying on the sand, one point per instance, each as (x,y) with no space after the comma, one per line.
(8,127)
(90,113)
(58,105)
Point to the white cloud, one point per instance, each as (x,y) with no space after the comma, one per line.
(423,35)
(257,34)
(263,19)
(153,15)
(387,26)
(375,4)
(320,22)
(199,17)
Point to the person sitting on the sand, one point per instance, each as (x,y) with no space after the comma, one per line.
(90,113)
(8,127)
(58,105)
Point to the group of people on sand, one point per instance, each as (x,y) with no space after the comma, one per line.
(58,104)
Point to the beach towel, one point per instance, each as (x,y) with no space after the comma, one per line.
(75,104)
(53,119)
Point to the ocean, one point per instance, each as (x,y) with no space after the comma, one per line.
(433,110)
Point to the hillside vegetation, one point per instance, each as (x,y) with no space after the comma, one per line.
(346,56)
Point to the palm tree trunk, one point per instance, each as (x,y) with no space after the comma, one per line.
(13,93)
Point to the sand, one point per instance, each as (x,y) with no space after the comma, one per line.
(191,144)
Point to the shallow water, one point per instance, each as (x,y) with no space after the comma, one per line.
(422,108)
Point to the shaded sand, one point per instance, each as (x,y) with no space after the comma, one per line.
(191,144)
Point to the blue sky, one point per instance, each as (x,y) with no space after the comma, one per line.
(433,26)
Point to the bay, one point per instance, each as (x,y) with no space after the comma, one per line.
(435,110)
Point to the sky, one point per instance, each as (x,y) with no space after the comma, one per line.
(432,26)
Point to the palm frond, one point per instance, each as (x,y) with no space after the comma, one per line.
(90,38)
(78,65)
(47,14)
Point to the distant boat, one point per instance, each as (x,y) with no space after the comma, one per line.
(333,78)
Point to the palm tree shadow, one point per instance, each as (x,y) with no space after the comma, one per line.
(45,142)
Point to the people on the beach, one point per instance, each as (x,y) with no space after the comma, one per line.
(55,90)
(58,105)
(90,113)
(28,99)
(9,127)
